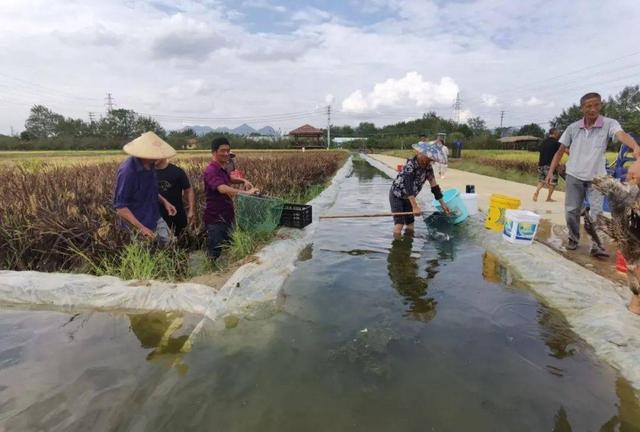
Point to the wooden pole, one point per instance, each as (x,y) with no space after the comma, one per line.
(366,215)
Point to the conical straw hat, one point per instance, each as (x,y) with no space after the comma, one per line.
(149,146)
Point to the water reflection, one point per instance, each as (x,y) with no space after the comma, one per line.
(628,417)
(554,329)
(556,333)
(364,171)
(158,331)
(561,422)
(493,271)
(403,271)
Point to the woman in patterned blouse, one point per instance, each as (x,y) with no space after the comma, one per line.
(408,184)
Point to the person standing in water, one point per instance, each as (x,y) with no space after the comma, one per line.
(405,188)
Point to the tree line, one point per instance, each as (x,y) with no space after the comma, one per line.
(46,129)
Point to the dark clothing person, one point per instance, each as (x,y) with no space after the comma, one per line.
(548,150)
(218,213)
(408,183)
(137,190)
(217,235)
(172,182)
(403,271)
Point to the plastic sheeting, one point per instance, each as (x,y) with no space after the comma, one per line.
(595,307)
(255,282)
(106,292)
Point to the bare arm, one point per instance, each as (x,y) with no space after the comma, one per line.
(171,210)
(228,190)
(627,139)
(237,180)
(433,183)
(191,199)
(556,161)
(128,216)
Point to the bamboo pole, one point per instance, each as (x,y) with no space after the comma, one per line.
(366,215)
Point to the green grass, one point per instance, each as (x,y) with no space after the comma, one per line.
(507,174)
(143,261)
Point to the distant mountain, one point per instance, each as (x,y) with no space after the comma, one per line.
(267,131)
(243,130)
(199,130)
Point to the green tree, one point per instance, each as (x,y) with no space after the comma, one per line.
(42,122)
(532,129)
(477,125)
(625,107)
(566,117)
(146,124)
(365,129)
(69,127)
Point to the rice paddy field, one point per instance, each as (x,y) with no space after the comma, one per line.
(68,157)
(57,213)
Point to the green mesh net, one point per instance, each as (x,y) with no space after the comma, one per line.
(258,214)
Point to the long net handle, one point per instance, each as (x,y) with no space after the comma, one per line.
(366,215)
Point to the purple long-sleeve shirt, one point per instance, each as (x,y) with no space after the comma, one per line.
(137,190)
(219,206)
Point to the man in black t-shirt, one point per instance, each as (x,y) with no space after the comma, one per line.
(548,149)
(174,186)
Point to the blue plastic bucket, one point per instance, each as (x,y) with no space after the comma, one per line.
(452,199)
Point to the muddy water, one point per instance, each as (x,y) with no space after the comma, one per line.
(374,334)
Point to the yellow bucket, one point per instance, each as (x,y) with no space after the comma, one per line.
(497,206)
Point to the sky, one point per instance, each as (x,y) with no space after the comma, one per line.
(281,63)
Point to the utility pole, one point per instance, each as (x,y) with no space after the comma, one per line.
(457,107)
(92,117)
(501,118)
(13,132)
(109,102)
(328,126)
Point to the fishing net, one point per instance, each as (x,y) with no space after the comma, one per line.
(258,213)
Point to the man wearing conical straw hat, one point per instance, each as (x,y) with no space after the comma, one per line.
(137,197)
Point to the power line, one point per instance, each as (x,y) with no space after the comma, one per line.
(109,102)
(457,107)
(328,126)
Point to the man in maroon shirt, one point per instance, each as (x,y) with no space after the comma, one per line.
(218,212)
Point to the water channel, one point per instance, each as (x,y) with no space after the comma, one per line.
(421,333)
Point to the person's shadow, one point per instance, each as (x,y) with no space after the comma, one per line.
(403,272)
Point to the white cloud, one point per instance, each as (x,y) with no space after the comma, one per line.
(264,4)
(355,103)
(465,115)
(181,36)
(531,102)
(207,58)
(311,15)
(410,91)
(489,100)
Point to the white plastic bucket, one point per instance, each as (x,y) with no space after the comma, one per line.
(520,226)
(471,202)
